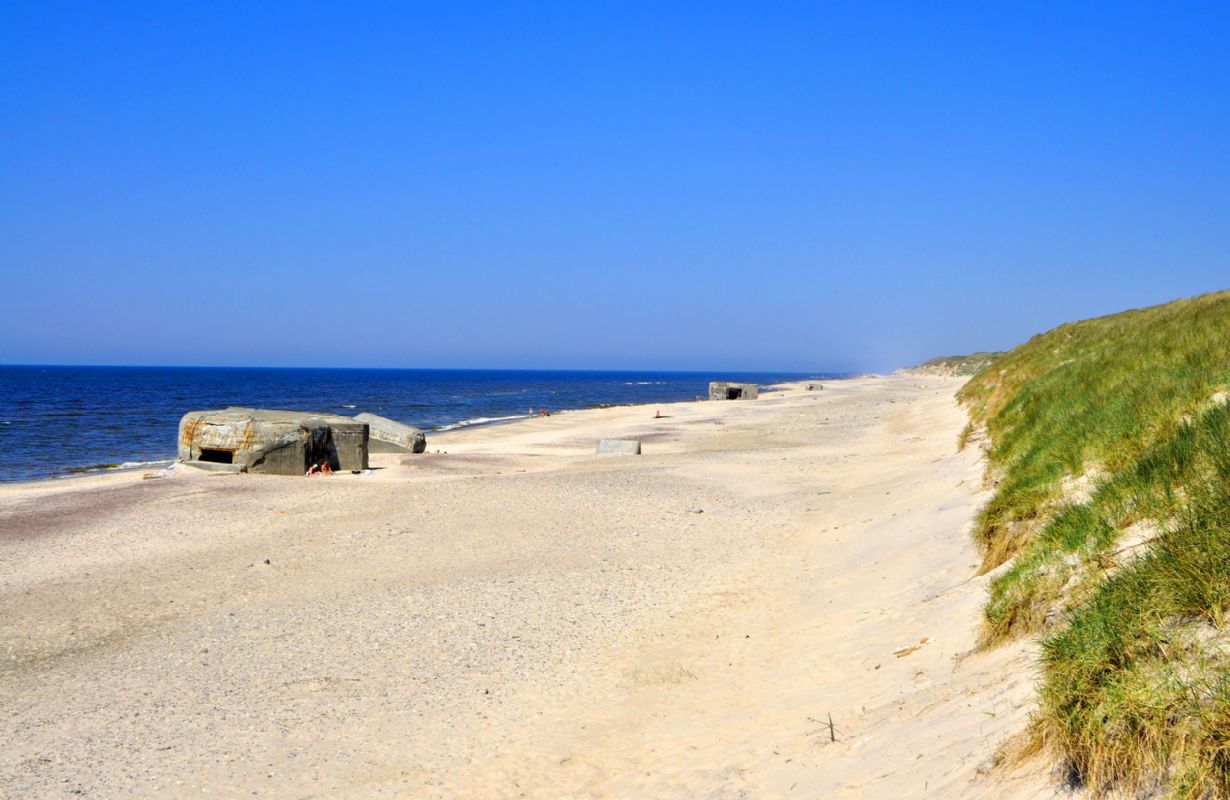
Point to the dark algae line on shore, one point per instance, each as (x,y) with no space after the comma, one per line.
(68,420)
(1110,442)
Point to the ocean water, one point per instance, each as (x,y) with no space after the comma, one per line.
(58,421)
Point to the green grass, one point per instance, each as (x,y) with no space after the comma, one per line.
(1135,690)
(1092,395)
(961,365)
(1137,687)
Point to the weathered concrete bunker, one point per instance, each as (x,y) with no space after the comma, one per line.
(271,442)
(725,390)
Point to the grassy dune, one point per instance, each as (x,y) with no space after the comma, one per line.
(959,365)
(1110,443)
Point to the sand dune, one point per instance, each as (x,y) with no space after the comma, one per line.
(520,618)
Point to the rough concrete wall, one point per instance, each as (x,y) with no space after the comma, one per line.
(350,439)
(403,436)
(187,435)
(288,456)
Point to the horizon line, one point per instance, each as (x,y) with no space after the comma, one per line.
(425,369)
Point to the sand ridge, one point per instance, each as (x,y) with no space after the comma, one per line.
(521,618)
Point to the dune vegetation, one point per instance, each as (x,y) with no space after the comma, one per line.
(1109,533)
(959,365)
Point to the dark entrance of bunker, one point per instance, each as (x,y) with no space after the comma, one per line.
(216,455)
(320,450)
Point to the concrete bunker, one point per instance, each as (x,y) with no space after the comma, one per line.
(727,390)
(271,442)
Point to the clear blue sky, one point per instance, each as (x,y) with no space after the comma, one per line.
(660,185)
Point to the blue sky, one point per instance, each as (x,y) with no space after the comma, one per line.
(661,185)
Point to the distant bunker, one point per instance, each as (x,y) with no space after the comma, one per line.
(271,442)
(725,390)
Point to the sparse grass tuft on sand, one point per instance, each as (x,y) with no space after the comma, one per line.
(669,676)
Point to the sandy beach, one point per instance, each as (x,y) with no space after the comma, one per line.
(777,599)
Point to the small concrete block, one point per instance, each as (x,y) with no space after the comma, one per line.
(403,437)
(625,446)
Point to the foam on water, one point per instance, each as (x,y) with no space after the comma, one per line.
(466,423)
(123,465)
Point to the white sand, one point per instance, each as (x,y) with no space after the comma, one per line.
(520,618)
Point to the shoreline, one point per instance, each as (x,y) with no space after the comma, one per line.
(521,617)
(131,464)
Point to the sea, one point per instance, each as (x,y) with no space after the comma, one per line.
(59,421)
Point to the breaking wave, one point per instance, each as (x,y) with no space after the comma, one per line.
(468,423)
(162,462)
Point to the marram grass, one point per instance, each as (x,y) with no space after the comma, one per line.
(1110,442)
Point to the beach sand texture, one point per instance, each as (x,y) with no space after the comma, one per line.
(521,618)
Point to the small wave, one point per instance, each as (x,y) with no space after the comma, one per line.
(467,423)
(349,405)
(91,468)
(643,383)
(163,462)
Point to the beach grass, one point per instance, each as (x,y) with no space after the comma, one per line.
(1110,450)
(961,365)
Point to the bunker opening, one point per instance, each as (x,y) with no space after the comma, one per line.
(729,390)
(320,450)
(217,455)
